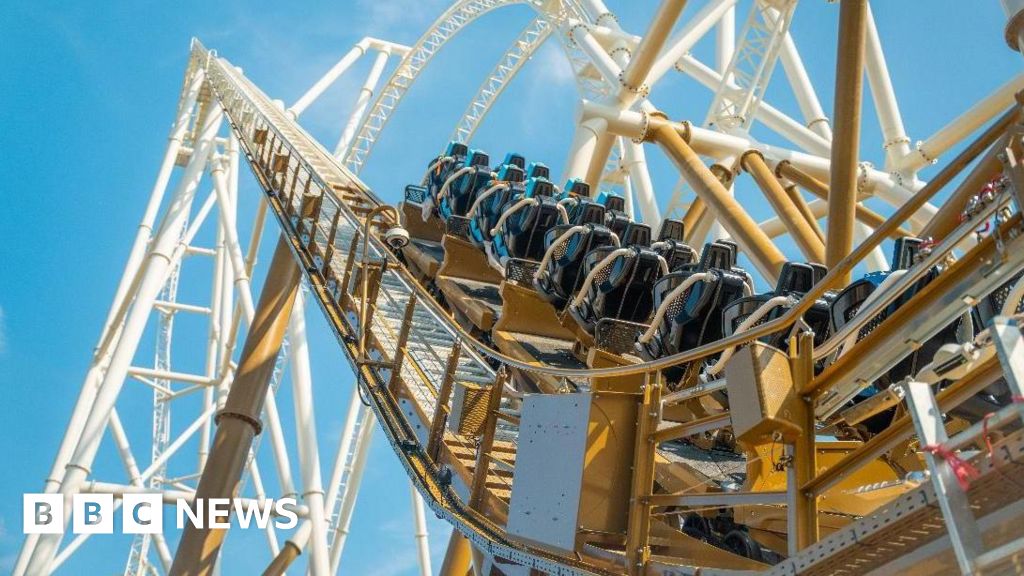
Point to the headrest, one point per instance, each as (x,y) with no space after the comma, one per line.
(538,170)
(615,202)
(577,186)
(515,159)
(511,173)
(479,158)
(456,149)
(795,278)
(587,212)
(720,255)
(671,230)
(636,235)
(539,187)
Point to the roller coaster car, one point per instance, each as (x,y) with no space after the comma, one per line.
(618,281)
(519,231)
(488,205)
(692,314)
(566,245)
(671,247)
(462,191)
(795,280)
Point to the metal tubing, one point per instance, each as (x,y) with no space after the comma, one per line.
(720,12)
(458,559)
(239,422)
(420,525)
(803,513)
(329,78)
(805,210)
(365,93)
(355,478)
(640,177)
(842,203)
(634,76)
(765,255)
(283,560)
(638,525)
(588,132)
(818,188)
(802,233)
(894,134)
(806,96)
(963,125)
(306,441)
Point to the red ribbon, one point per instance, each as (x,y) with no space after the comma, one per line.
(963,470)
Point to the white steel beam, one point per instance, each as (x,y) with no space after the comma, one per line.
(308,445)
(362,101)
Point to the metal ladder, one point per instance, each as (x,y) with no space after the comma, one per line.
(964,533)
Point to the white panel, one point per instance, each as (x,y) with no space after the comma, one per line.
(549,470)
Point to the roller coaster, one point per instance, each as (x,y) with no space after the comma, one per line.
(575,382)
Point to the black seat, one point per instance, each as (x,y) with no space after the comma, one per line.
(694,317)
(795,280)
(616,218)
(464,189)
(486,215)
(621,289)
(522,233)
(671,246)
(561,276)
(443,166)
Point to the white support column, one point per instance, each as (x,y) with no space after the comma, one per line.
(640,178)
(355,478)
(806,96)
(420,524)
(153,276)
(876,261)
(156,197)
(359,110)
(585,141)
(696,28)
(308,446)
(627,193)
(348,436)
(329,78)
(894,135)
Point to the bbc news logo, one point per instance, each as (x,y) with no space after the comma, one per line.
(144,513)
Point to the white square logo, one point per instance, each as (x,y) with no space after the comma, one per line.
(93,513)
(42,514)
(142,513)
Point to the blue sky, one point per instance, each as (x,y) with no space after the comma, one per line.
(87,94)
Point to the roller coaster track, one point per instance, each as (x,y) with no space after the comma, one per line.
(413,345)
